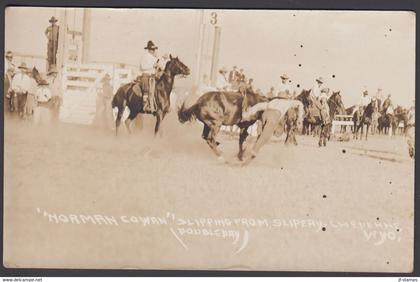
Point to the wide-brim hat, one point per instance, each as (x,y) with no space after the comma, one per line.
(150,45)
(23,66)
(284,76)
(53,20)
(9,54)
(320,80)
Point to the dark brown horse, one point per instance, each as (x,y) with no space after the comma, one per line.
(218,108)
(360,119)
(130,95)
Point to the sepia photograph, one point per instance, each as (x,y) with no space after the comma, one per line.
(209,139)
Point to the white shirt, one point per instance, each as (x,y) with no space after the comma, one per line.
(316,90)
(9,66)
(221,83)
(283,88)
(364,101)
(21,82)
(162,63)
(147,63)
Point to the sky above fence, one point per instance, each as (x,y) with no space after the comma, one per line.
(353,51)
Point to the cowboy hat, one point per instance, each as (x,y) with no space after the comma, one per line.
(320,80)
(150,45)
(9,54)
(284,76)
(107,77)
(23,66)
(224,69)
(53,20)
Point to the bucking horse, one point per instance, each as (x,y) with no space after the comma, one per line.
(218,108)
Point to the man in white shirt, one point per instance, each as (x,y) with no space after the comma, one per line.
(316,89)
(283,88)
(365,99)
(20,86)
(148,67)
(319,91)
(221,81)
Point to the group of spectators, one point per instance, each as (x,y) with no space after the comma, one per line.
(25,88)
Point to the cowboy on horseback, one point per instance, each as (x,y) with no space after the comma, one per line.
(148,67)
(283,89)
(319,97)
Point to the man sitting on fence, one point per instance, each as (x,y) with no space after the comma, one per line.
(148,66)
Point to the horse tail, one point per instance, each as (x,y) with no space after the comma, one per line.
(187,114)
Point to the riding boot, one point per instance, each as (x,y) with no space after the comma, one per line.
(152,104)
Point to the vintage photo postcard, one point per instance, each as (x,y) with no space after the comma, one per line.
(209,139)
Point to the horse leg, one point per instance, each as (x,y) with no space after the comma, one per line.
(367,130)
(130,118)
(242,137)
(211,140)
(159,117)
(118,120)
(206,131)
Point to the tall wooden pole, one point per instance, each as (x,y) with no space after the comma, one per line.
(86,35)
(200,48)
(215,54)
(62,33)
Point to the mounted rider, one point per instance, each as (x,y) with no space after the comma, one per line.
(283,88)
(387,103)
(148,70)
(364,101)
(221,82)
(319,97)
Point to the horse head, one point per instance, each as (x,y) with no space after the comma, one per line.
(254,98)
(304,97)
(175,66)
(336,101)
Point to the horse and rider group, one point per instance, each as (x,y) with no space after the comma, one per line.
(232,102)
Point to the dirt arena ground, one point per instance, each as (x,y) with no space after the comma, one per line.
(73,169)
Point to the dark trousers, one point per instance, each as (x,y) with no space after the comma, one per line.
(52,53)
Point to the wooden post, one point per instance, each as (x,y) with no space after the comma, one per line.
(86,35)
(61,40)
(199,49)
(215,54)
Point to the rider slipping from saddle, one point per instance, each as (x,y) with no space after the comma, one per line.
(150,68)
